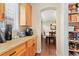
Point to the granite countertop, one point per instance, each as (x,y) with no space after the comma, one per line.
(4,47)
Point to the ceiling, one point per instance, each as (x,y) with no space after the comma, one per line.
(48,15)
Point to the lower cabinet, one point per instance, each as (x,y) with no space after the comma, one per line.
(17,51)
(25,49)
(22,53)
(31,51)
(31,47)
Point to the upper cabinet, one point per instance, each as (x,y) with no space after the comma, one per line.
(29,14)
(1,11)
(25,14)
(22,14)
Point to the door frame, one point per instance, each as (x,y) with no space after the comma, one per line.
(51,8)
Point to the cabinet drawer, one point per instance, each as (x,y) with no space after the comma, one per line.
(10,53)
(15,51)
(22,53)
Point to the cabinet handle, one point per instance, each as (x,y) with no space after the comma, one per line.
(33,44)
(12,53)
(2,15)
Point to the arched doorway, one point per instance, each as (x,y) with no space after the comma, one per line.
(48,31)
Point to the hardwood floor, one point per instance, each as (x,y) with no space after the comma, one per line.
(48,49)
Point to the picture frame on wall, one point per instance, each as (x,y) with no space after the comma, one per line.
(53,27)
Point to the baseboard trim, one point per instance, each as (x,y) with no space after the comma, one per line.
(37,54)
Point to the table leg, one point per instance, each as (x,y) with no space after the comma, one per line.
(46,40)
(49,40)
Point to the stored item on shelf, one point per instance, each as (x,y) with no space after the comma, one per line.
(69,11)
(77,17)
(71,53)
(78,9)
(77,5)
(76,54)
(73,10)
(74,18)
(70,19)
(71,28)
(72,5)
(78,36)
(71,45)
(77,46)
(76,28)
(75,36)
(71,36)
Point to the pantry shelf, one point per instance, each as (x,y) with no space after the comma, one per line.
(74,24)
(73,18)
(74,41)
(74,50)
(72,8)
(73,13)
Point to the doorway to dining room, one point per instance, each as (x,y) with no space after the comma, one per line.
(48,32)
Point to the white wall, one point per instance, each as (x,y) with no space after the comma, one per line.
(12,11)
(37,26)
(61,46)
(64,29)
(36,9)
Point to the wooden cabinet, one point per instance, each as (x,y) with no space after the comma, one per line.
(25,49)
(29,14)
(25,14)
(22,14)
(11,52)
(32,50)
(31,47)
(22,53)
(17,51)
(20,50)
(1,11)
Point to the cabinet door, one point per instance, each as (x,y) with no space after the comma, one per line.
(1,11)
(22,7)
(31,47)
(29,14)
(22,53)
(32,50)
(12,52)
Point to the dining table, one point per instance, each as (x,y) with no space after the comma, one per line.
(51,36)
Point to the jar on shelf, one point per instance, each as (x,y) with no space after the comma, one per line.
(76,28)
(70,6)
(77,7)
(69,11)
(76,54)
(71,53)
(74,6)
(77,17)
(71,45)
(77,46)
(74,10)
